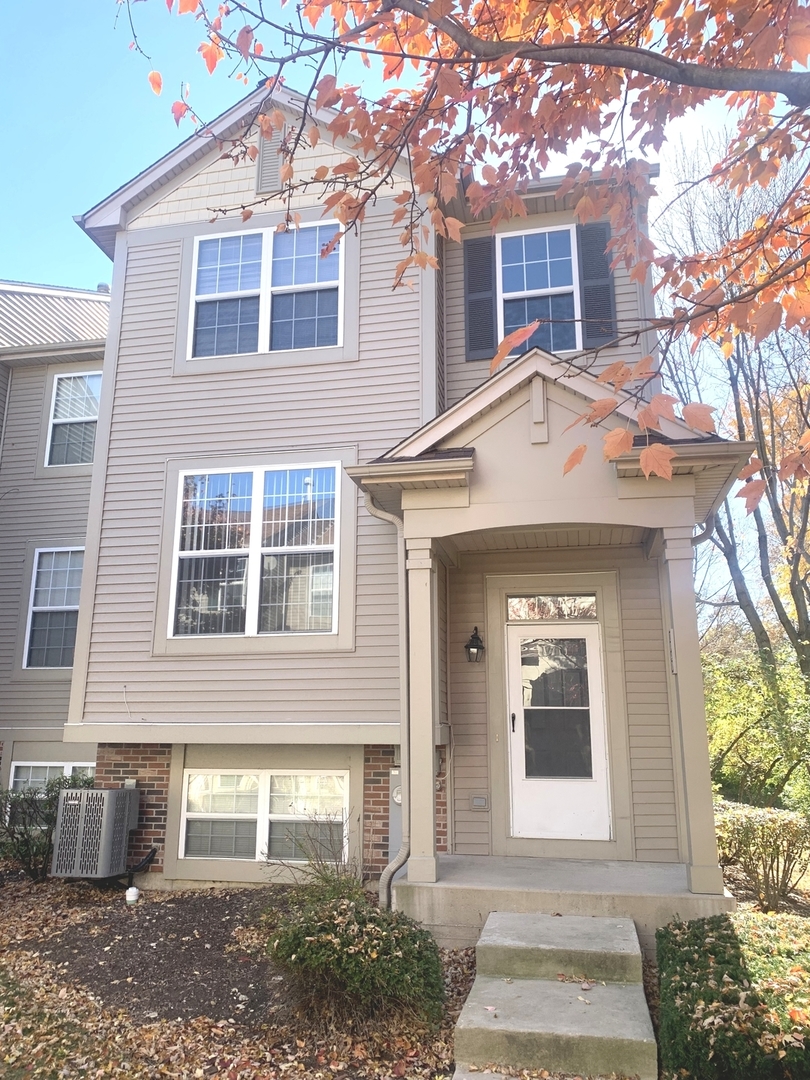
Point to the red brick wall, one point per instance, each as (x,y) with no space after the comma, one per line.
(149,764)
(377,761)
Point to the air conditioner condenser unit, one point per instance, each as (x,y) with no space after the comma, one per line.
(92,831)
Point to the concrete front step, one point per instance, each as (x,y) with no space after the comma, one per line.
(543,1024)
(544,946)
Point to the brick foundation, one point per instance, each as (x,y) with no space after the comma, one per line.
(149,764)
(377,761)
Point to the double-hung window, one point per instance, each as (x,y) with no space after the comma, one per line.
(266,291)
(253,814)
(256,552)
(73,420)
(54,609)
(536,276)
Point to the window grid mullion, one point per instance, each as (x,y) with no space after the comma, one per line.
(254,573)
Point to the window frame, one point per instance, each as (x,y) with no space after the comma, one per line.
(64,765)
(254,553)
(262,817)
(265,292)
(72,374)
(575,287)
(30,610)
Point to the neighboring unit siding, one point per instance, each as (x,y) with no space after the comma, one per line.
(372,402)
(646,694)
(34,510)
(463,375)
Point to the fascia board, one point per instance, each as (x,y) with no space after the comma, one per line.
(435,474)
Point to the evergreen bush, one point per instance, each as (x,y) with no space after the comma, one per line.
(348,955)
(771,846)
(27,822)
(735,998)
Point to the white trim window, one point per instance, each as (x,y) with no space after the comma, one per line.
(266,291)
(54,607)
(73,419)
(34,775)
(257,814)
(256,552)
(537,278)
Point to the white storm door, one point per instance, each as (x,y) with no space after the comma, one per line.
(556,732)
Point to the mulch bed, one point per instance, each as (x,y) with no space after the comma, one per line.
(181,985)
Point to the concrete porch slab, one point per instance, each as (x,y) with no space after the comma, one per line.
(456,906)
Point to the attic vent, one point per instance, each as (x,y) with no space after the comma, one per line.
(268,164)
(92,831)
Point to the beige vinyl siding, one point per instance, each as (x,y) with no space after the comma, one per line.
(35,511)
(462,375)
(646,692)
(371,402)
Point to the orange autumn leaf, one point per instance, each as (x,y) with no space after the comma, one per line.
(699,416)
(657,458)
(751,469)
(574,458)
(643,368)
(244,40)
(766,319)
(661,405)
(179,110)
(187,7)
(597,412)
(211,54)
(155,81)
(511,341)
(752,492)
(617,442)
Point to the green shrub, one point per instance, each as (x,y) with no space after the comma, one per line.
(364,960)
(27,822)
(771,846)
(735,998)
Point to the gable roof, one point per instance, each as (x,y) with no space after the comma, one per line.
(421,460)
(35,317)
(508,380)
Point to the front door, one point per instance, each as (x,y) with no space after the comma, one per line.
(556,732)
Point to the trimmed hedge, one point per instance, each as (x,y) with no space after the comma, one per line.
(367,959)
(771,846)
(735,997)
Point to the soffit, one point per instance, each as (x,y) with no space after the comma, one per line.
(572,536)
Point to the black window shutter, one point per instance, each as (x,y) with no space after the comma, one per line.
(596,285)
(480,317)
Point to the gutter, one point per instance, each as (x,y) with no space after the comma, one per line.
(401,857)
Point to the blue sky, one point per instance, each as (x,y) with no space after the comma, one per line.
(80,120)
(88,122)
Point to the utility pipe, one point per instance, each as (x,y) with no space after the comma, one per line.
(401,857)
(705,534)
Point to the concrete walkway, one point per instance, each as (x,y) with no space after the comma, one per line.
(558,993)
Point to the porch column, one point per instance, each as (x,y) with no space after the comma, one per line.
(704,874)
(422,865)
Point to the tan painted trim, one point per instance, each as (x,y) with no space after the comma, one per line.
(606,586)
(287,756)
(57,472)
(263,644)
(232,733)
(346,352)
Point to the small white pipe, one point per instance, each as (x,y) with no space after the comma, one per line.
(401,857)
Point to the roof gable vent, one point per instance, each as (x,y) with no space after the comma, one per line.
(268,164)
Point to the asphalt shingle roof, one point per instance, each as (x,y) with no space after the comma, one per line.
(36,315)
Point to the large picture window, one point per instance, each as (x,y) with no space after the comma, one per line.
(54,609)
(74,418)
(536,275)
(256,552)
(257,814)
(266,291)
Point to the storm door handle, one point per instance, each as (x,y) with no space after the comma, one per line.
(513,721)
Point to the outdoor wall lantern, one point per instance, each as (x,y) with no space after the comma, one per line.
(474,647)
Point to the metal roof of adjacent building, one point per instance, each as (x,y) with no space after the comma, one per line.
(33,316)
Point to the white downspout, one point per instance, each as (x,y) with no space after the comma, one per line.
(401,857)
